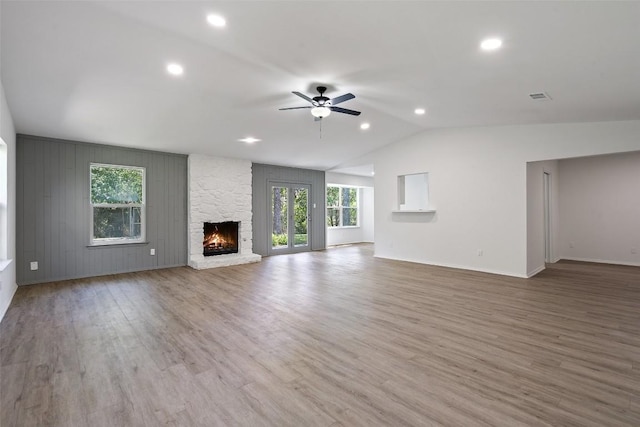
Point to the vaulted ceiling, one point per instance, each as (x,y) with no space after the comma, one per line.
(96,71)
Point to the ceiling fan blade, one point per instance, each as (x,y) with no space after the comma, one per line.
(342,98)
(303,96)
(345,110)
(293,108)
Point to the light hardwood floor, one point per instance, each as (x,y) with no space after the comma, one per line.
(326,339)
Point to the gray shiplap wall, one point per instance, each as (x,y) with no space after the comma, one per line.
(262,176)
(53,210)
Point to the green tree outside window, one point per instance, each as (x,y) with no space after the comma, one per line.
(117,203)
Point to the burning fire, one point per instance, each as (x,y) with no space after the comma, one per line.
(215,241)
(220,238)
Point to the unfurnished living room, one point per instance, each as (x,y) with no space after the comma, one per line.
(319,213)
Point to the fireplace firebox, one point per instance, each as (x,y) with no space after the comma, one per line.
(220,238)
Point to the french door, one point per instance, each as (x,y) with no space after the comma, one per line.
(289,218)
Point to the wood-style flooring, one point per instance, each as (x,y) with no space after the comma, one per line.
(333,338)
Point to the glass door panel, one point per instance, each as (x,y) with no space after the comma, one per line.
(289,228)
(280,216)
(301,216)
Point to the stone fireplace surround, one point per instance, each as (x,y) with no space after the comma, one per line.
(219,190)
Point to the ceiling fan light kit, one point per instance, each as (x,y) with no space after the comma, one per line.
(320,112)
(321,106)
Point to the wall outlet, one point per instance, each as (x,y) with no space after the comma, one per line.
(34,265)
(634,250)
(480,252)
(571,245)
(152,252)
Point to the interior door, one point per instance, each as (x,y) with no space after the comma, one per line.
(289,218)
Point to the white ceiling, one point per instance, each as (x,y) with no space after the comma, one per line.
(95,71)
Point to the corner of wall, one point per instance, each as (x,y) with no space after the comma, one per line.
(8,283)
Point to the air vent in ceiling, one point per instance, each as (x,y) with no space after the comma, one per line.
(540,96)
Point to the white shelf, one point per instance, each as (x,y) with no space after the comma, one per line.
(414,211)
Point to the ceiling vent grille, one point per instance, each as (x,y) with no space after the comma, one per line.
(540,96)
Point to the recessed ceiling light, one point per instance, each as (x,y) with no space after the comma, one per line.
(419,111)
(491,44)
(365,126)
(249,140)
(175,69)
(216,20)
(373,173)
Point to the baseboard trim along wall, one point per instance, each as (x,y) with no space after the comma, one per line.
(136,270)
(601,261)
(458,267)
(535,271)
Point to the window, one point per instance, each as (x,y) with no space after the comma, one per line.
(4,178)
(342,206)
(117,204)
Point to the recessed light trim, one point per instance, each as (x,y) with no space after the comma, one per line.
(420,111)
(217,21)
(365,126)
(175,69)
(491,44)
(250,140)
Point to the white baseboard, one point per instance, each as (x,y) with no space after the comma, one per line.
(601,261)
(459,267)
(3,310)
(536,271)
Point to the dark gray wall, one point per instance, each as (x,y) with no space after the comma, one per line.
(53,210)
(262,175)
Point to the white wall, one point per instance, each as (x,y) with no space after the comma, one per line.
(363,233)
(351,180)
(600,209)
(535,214)
(478,184)
(8,274)
(367,206)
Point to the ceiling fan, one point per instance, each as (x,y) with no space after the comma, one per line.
(321,106)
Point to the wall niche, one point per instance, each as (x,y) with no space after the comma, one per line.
(413,193)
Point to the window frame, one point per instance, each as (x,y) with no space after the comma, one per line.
(108,241)
(4,203)
(340,206)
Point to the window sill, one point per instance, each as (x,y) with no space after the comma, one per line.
(108,245)
(4,263)
(342,227)
(413,211)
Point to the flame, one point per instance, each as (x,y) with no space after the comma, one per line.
(219,240)
(215,240)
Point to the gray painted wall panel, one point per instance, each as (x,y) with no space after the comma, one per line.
(262,176)
(53,210)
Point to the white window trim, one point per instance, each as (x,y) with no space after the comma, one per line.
(142,206)
(4,205)
(342,207)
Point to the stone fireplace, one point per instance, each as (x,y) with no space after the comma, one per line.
(219,194)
